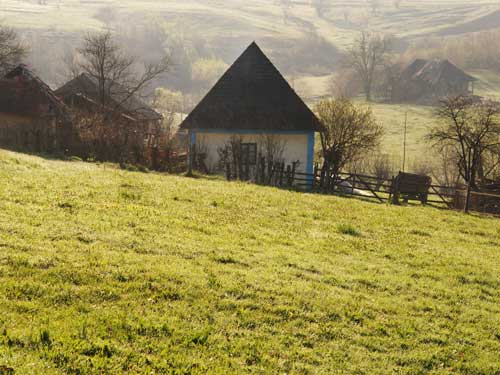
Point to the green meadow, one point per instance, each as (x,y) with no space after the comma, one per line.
(106,271)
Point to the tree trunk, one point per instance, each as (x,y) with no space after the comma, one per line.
(368,93)
(467,198)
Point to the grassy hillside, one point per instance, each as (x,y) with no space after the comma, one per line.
(109,271)
(338,22)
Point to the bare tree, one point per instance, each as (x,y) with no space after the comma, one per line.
(344,84)
(170,105)
(367,55)
(321,6)
(349,132)
(231,157)
(388,78)
(381,167)
(446,171)
(272,147)
(12,49)
(109,118)
(102,58)
(71,65)
(471,130)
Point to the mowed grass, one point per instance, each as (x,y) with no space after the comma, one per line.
(104,271)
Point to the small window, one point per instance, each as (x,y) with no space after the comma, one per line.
(249,153)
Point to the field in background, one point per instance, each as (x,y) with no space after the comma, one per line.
(109,271)
(265,17)
(228,26)
(420,120)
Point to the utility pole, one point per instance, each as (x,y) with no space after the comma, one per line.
(469,187)
(404,141)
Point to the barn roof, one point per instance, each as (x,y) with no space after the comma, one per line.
(87,86)
(434,71)
(23,92)
(252,95)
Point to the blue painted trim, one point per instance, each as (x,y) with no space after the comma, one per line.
(251,131)
(310,158)
(193,137)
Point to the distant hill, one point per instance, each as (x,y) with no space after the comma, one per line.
(301,38)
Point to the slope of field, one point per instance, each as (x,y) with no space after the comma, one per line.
(108,271)
(419,121)
(488,84)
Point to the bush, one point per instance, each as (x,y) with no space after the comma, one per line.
(349,230)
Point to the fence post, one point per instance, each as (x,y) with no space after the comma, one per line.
(322,178)
(282,171)
(467,198)
(257,170)
(240,168)
(191,159)
(269,172)
(289,175)
(315,173)
(329,181)
(228,171)
(395,190)
(294,166)
(263,167)
(247,170)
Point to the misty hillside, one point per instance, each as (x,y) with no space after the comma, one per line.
(304,38)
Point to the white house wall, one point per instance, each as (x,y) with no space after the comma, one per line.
(297,146)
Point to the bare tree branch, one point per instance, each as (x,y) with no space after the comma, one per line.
(367,55)
(12,50)
(472,130)
(349,132)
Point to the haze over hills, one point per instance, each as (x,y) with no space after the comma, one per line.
(304,38)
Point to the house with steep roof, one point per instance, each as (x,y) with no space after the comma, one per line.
(32,117)
(114,124)
(428,81)
(116,96)
(254,105)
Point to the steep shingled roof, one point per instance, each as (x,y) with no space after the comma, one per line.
(434,71)
(252,95)
(87,86)
(23,92)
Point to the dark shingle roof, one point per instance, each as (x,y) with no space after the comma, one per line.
(434,71)
(87,85)
(252,95)
(23,92)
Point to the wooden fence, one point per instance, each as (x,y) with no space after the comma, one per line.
(372,187)
(325,181)
(480,201)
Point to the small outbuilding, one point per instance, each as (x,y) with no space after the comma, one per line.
(32,117)
(252,111)
(117,127)
(428,81)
